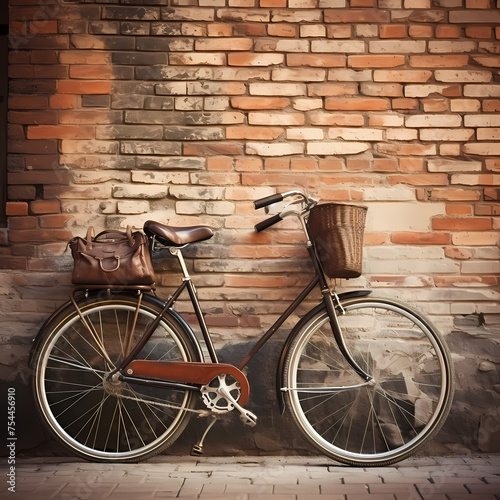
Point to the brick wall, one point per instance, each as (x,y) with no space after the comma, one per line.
(186,110)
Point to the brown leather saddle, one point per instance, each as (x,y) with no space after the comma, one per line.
(177,236)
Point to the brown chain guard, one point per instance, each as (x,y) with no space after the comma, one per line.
(188,373)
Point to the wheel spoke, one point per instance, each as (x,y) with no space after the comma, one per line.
(94,413)
(387,418)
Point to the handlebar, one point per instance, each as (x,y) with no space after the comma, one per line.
(288,210)
(260,226)
(268,200)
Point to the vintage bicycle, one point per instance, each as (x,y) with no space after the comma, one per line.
(118,372)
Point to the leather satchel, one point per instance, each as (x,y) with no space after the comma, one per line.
(112,258)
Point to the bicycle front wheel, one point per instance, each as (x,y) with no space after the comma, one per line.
(95,415)
(381,421)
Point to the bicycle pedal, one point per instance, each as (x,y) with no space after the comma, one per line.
(197,450)
(248,418)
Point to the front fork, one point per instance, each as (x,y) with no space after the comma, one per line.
(328,299)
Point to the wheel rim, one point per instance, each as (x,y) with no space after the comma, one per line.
(386,418)
(97,415)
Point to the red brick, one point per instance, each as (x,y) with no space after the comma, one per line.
(220,163)
(461,224)
(447,31)
(255,133)
(48,117)
(29,222)
(363,3)
(39,235)
(282,29)
(61,132)
(411,164)
(39,207)
(421,31)
(460,209)
(277,164)
(86,87)
(54,221)
(63,101)
(303,164)
(478,31)
(316,60)
(407,238)
(445,61)
(17,208)
(10,262)
(375,61)
(393,31)
(491,105)
(28,102)
(21,192)
(418,179)
(357,16)
(405,103)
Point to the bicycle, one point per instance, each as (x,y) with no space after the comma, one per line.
(117,370)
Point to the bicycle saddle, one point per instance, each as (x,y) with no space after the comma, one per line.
(176,236)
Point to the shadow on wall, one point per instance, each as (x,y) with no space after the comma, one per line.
(469,427)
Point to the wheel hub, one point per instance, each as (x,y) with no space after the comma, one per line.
(113,384)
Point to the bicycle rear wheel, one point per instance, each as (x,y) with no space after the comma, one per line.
(382,421)
(97,417)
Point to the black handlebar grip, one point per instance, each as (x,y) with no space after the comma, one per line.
(268,200)
(267,223)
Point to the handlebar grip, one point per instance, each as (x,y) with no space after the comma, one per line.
(267,223)
(268,200)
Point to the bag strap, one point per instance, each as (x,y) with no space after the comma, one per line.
(89,237)
(117,234)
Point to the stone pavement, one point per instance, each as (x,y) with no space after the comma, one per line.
(257,478)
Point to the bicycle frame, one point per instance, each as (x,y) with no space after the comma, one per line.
(319,278)
(174,374)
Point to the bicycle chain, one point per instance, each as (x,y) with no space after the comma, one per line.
(201,413)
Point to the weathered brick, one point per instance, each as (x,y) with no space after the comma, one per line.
(336,119)
(393,47)
(376,61)
(482,148)
(475,16)
(197,58)
(357,16)
(316,60)
(453,47)
(443,134)
(356,104)
(254,133)
(354,134)
(260,102)
(252,59)
(344,47)
(401,76)
(426,90)
(332,89)
(273,89)
(336,148)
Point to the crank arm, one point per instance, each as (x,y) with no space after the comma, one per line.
(247,417)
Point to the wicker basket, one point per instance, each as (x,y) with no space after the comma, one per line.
(337,233)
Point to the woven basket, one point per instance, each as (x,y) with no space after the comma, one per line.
(337,233)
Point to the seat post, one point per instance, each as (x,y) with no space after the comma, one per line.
(177,252)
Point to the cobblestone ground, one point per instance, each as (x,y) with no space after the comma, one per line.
(257,478)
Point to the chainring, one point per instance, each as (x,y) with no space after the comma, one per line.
(214,400)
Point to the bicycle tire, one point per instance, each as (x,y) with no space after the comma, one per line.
(383,421)
(95,418)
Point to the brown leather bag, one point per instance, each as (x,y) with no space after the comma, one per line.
(112,258)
